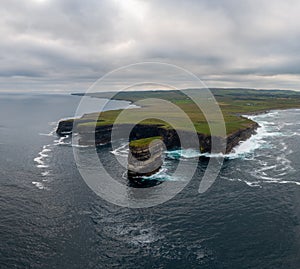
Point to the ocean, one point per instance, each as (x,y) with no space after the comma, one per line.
(49,218)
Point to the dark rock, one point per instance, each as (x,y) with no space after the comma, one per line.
(65,127)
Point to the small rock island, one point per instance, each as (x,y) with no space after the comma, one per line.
(145,157)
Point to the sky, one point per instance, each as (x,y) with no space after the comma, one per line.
(66,45)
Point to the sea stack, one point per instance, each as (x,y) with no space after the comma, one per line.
(145,157)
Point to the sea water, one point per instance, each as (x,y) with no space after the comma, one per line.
(49,218)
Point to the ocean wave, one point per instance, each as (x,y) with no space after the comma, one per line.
(49,134)
(39,185)
(42,163)
(270,150)
(183,154)
(63,141)
(52,133)
(42,155)
(162,175)
(45,173)
(121,151)
(288,182)
(79,146)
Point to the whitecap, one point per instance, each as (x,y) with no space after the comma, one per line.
(259,140)
(183,154)
(45,173)
(39,185)
(40,160)
(51,133)
(289,182)
(252,184)
(61,141)
(121,151)
(80,146)
(162,175)
(42,166)
(249,183)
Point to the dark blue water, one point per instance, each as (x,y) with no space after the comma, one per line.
(49,218)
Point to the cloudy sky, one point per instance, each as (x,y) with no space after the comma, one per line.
(65,45)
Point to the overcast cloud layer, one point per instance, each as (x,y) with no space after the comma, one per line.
(65,45)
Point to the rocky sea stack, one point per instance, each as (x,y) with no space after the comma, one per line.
(145,157)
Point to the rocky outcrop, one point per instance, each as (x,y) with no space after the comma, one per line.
(145,160)
(65,127)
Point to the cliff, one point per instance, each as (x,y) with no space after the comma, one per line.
(102,134)
(147,142)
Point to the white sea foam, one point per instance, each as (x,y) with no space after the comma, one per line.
(121,151)
(52,133)
(61,141)
(39,185)
(49,134)
(270,152)
(162,175)
(259,140)
(40,160)
(252,184)
(45,173)
(183,154)
(249,183)
(289,182)
(79,146)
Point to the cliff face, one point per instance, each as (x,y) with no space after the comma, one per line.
(241,135)
(102,134)
(64,127)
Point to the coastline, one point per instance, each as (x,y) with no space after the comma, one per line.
(236,106)
(236,142)
(233,140)
(102,134)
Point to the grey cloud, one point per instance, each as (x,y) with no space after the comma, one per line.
(68,44)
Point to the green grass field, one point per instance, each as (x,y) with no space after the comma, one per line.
(233,104)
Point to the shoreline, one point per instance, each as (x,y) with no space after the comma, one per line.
(96,132)
(66,125)
(237,107)
(102,134)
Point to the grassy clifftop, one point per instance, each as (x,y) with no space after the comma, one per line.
(144,142)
